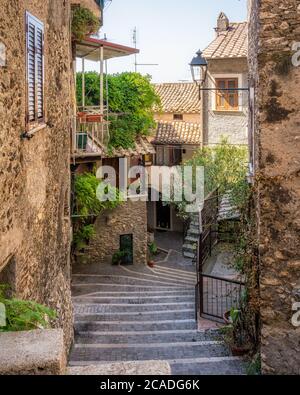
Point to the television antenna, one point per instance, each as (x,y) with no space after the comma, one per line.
(136,64)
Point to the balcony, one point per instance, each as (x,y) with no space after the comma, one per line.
(90,129)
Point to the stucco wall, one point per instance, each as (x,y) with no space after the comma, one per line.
(277,143)
(232,125)
(34,174)
(194,118)
(129,218)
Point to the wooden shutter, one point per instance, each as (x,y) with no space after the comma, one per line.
(227,100)
(35,69)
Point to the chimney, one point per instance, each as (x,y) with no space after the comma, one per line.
(223,24)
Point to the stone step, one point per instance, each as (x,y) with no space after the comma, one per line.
(82,288)
(129,308)
(148,351)
(180,271)
(115,326)
(216,366)
(134,294)
(142,316)
(165,275)
(193,231)
(127,280)
(172,336)
(190,255)
(192,239)
(134,300)
(189,247)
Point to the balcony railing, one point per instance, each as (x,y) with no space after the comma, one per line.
(90,132)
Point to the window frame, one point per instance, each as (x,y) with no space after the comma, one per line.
(227,107)
(177,117)
(38,120)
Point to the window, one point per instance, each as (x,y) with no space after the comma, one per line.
(34,69)
(227,97)
(178,117)
(168,156)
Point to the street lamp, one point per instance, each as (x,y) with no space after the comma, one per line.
(199,68)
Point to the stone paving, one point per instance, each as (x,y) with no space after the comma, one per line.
(139,314)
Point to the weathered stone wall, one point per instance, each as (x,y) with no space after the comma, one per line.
(34,174)
(274,27)
(128,218)
(230,124)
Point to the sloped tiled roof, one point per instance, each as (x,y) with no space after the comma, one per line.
(142,147)
(232,43)
(179,97)
(178,133)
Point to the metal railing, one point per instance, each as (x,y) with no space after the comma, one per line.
(90,136)
(213,295)
(218,295)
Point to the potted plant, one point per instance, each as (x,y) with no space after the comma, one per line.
(117,257)
(235,333)
(153,250)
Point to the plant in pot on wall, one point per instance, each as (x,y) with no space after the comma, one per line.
(84,23)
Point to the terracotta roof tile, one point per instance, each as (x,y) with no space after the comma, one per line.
(179,97)
(178,133)
(232,43)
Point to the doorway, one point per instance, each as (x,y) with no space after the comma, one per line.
(163,215)
(126,247)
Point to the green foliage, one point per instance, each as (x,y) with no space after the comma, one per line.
(254,367)
(84,23)
(89,206)
(153,248)
(83,235)
(118,256)
(24,315)
(129,94)
(225,167)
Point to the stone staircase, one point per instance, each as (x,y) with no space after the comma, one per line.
(141,314)
(189,248)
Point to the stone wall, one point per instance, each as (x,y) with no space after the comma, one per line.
(274,27)
(230,124)
(128,218)
(34,174)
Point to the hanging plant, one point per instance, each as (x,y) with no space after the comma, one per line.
(84,23)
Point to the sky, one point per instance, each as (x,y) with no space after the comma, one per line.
(169,32)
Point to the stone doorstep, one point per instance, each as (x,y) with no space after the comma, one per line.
(37,352)
(123,368)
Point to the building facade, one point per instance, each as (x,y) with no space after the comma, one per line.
(275,147)
(225,104)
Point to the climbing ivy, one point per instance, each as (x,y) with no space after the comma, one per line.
(88,206)
(129,94)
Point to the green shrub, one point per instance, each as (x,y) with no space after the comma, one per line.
(84,23)
(24,315)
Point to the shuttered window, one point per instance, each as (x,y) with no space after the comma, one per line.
(35,69)
(227,98)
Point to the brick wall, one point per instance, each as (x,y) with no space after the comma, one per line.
(274,27)
(34,174)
